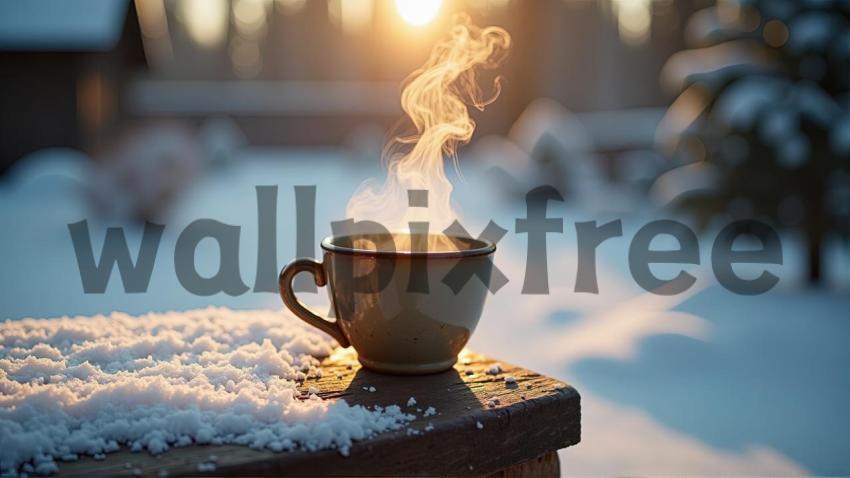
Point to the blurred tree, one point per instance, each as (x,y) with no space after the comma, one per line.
(764,104)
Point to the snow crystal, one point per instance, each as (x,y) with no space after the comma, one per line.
(89,385)
(429,412)
(411,402)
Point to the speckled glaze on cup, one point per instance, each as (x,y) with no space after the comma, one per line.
(393,328)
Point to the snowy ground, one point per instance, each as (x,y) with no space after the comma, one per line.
(706,382)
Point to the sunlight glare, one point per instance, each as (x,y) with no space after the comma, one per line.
(418,12)
(205,20)
(634,19)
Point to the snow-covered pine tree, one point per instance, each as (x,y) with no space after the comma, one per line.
(764,102)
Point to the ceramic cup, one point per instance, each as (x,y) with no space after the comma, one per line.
(403,312)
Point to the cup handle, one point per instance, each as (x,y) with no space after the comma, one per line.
(287,274)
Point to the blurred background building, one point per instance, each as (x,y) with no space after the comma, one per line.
(64,71)
(307,72)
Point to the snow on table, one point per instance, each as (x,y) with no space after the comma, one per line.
(460,436)
(71,387)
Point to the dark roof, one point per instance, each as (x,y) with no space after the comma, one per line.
(65,25)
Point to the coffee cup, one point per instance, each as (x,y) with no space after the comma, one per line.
(404,310)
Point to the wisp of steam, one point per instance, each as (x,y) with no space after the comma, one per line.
(435,98)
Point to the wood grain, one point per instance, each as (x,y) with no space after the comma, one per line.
(521,421)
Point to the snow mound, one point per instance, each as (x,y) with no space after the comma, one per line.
(88,385)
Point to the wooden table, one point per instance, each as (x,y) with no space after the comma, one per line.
(522,424)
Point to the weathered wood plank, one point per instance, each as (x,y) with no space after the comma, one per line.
(547,465)
(519,421)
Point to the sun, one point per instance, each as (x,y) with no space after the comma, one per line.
(418,12)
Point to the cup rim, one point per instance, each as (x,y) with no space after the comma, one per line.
(483,248)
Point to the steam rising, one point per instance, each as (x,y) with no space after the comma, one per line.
(435,98)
